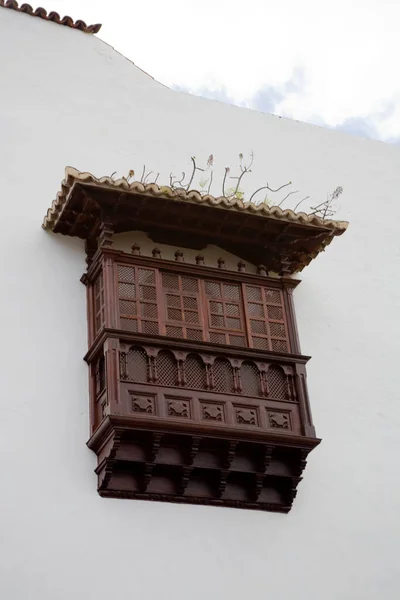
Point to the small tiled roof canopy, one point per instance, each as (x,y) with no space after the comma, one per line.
(282,240)
(52,16)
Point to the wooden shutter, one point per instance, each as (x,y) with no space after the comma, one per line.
(182,307)
(98,297)
(137,299)
(266,318)
(224,313)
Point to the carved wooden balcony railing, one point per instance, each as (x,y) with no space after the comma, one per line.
(212,426)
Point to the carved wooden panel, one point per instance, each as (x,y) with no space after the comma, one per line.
(246,415)
(178,407)
(279,419)
(209,409)
(212,411)
(143,402)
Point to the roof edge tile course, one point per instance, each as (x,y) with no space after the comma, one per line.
(51,16)
(73,176)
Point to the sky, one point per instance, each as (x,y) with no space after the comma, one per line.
(331,64)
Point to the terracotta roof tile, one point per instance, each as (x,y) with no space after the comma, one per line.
(283,240)
(73,176)
(52,16)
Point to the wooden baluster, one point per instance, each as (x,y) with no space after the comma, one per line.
(262,382)
(181,372)
(153,364)
(151,354)
(123,373)
(266,386)
(211,375)
(289,379)
(208,376)
(237,380)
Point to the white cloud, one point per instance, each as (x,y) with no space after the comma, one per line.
(279,99)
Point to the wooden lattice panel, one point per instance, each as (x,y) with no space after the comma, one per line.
(266,318)
(182,307)
(100,374)
(277,383)
(250,379)
(223,376)
(134,365)
(224,313)
(167,369)
(137,299)
(156,302)
(195,372)
(99,308)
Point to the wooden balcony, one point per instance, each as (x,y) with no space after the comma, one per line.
(197,384)
(190,422)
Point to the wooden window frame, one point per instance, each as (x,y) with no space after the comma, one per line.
(224,300)
(139,301)
(108,261)
(185,326)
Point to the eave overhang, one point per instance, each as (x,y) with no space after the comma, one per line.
(282,240)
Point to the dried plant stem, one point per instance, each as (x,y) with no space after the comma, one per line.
(287,196)
(298,204)
(266,187)
(224,181)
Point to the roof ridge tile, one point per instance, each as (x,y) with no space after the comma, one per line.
(51,16)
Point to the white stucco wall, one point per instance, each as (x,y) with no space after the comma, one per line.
(68,98)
